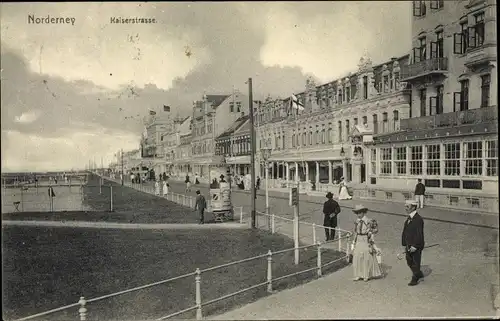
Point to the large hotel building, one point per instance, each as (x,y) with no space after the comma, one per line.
(431,115)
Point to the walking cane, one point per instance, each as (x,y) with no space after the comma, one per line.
(402,254)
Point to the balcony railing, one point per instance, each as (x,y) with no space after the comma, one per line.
(466,117)
(425,67)
(386,127)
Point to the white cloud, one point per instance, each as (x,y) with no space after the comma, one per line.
(110,55)
(26,118)
(35,153)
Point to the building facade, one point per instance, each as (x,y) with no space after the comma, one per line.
(234,145)
(170,140)
(450,139)
(314,147)
(212,115)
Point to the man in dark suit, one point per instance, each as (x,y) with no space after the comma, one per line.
(200,206)
(330,209)
(413,240)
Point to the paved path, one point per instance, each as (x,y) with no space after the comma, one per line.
(108,225)
(459,275)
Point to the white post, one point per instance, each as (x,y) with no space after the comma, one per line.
(83,310)
(296,232)
(100,185)
(111,203)
(273,224)
(340,241)
(199,314)
(22,201)
(269,271)
(314,233)
(319,259)
(241,215)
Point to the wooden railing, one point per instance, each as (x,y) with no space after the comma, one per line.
(466,117)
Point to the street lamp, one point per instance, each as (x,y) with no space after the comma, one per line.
(265,154)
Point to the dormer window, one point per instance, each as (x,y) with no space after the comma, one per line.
(419,8)
(348,93)
(231,107)
(437,4)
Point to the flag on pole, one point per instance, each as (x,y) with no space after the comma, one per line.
(166,108)
(152,112)
(296,104)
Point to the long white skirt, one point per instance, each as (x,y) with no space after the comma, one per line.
(344,194)
(364,264)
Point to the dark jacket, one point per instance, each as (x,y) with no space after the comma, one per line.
(420,189)
(413,232)
(331,207)
(200,202)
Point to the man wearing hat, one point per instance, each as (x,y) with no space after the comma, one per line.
(413,240)
(200,205)
(330,209)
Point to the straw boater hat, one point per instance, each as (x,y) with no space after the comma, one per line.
(359,208)
(329,195)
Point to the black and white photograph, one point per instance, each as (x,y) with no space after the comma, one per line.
(267,160)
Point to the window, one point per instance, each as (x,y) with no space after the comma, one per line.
(452,159)
(419,8)
(419,53)
(460,39)
(473,157)
(476,32)
(283,140)
(340,130)
(365,87)
(347,130)
(365,121)
(348,93)
(231,107)
(310,136)
(385,122)
(304,138)
(436,103)
(433,159)
(401,160)
(437,50)
(416,157)
(375,124)
(423,97)
(492,158)
(395,116)
(386,162)
(355,122)
(323,136)
(461,99)
(485,90)
(316,135)
(330,133)
(374,161)
(396,80)
(238,106)
(437,4)
(293,140)
(386,83)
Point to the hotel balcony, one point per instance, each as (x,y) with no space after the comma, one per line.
(477,57)
(425,68)
(467,117)
(386,127)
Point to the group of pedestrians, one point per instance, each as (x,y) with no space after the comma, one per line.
(366,255)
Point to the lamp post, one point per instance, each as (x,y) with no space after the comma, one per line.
(265,154)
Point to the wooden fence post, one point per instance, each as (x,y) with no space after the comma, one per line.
(269,271)
(199,314)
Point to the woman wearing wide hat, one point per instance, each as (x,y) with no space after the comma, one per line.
(364,259)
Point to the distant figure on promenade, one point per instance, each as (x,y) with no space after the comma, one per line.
(343,192)
(419,193)
(52,195)
(330,209)
(164,176)
(196,179)
(412,239)
(257,184)
(200,206)
(188,183)
(222,180)
(165,188)
(157,188)
(132,178)
(364,253)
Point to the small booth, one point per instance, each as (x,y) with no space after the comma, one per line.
(220,197)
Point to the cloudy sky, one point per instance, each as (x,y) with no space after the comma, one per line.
(70,93)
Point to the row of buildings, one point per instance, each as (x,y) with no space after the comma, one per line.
(431,114)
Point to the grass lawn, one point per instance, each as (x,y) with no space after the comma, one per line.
(44,268)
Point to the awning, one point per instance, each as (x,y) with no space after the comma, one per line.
(238,160)
(213,160)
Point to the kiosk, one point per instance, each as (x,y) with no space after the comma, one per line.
(220,199)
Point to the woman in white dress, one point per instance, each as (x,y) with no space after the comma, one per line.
(344,193)
(165,188)
(157,188)
(364,255)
